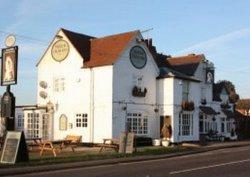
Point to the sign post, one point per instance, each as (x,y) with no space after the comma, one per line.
(9,77)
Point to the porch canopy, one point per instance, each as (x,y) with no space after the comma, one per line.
(208,110)
(228,113)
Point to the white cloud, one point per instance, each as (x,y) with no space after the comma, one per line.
(217,41)
(230,54)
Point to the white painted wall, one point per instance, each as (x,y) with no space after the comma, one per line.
(102,102)
(124,76)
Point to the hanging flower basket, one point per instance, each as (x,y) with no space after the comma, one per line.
(225,106)
(187,106)
(139,92)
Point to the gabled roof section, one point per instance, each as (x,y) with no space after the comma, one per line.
(168,73)
(186,64)
(106,50)
(81,42)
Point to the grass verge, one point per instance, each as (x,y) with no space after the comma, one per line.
(81,156)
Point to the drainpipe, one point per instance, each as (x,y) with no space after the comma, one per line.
(91,123)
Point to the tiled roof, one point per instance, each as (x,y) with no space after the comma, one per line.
(244,101)
(168,72)
(105,51)
(208,110)
(80,41)
(99,51)
(186,64)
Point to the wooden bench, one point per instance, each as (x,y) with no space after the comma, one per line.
(74,141)
(34,144)
(109,143)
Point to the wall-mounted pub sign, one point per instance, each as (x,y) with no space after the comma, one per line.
(60,50)
(9,66)
(138,57)
(210,76)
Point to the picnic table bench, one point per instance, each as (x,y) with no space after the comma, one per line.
(53,146)
(74,141)
(34,143)
(109,143)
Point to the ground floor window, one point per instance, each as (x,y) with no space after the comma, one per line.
(63,120)
(20,121)
(229,127)
(137,123)
(207,124)
(33,125)
(45,133)
(186,124)
(81,120)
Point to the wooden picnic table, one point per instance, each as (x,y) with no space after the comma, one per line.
(109,143)
(34,142)
(53,146)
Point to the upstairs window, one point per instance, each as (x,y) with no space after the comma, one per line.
(185,90)
(59,84)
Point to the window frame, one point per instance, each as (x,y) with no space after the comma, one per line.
(81,120)
(137,123)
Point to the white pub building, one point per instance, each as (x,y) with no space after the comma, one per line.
(100,87)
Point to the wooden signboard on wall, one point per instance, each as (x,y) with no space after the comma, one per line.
(14,148)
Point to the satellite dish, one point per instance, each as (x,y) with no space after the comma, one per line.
(43,94)
(10,40)
(43,84)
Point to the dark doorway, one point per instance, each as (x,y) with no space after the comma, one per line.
(164,120)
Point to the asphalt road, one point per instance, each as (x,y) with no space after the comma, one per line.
(233,162)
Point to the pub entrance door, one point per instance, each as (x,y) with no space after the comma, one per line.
(165,121)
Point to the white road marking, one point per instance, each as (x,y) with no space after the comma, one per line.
(206,167)
(218,151)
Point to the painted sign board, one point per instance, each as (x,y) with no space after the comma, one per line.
(126,144)
(14,148)
(9,66)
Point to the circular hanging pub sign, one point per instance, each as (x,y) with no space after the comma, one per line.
(138,57)
(60,50)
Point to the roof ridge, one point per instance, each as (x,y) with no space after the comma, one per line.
(134,31)
(77,33)
(184,56)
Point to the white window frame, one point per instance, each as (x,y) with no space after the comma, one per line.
(64,126)
(45,125)
(20,121)
(185,90)
(186,122)
(33,125)
(137,123)
(59,84)
(81,120)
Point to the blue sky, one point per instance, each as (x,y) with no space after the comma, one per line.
(220,29)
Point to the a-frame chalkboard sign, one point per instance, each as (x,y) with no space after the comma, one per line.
(15,148)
